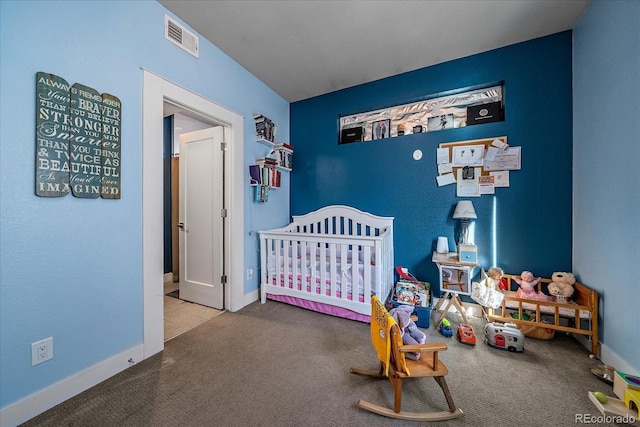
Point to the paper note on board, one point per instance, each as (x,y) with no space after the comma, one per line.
(442,155)
(491,153)
(509,159)
(500,178)
(468,155)
(497,143)
(445,168)
(468,187)
(445,179)
(486,185)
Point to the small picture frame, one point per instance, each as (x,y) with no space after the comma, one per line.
(441,122)
(348,135)
(468,173)
(468,155)
(380,129)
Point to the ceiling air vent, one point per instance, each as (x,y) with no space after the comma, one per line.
(180,36)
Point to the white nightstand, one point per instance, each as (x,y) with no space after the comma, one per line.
(458,283)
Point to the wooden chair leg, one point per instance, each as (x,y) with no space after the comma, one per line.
(443,385)
(397,393)
(369,372)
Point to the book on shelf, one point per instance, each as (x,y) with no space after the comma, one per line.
(412,292)
(271,177)
(265,129)
(262,193)
(266,161)
(275,178)
(281,145)
(284,154)
(255,176)
(266,175)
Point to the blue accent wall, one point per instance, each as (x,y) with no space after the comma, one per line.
(532,217)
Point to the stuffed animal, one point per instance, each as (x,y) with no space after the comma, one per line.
(561,285)
(528,287)
(410,332)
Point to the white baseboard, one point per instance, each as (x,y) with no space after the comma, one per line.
(246,300)
(40,401)
(168,277)
(612,359)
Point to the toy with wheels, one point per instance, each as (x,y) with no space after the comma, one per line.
(466,334)
(445,328)
(505,336)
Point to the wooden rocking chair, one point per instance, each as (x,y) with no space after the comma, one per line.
(387,341)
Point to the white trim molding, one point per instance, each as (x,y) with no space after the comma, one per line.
(45,399)
(157,91)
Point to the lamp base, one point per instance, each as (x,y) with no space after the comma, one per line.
(467,253)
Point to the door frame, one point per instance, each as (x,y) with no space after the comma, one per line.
(156,90)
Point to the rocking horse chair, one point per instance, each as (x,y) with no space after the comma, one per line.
(387,341)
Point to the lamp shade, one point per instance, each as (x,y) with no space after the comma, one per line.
(464,210)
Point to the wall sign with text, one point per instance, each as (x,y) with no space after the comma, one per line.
(78,141)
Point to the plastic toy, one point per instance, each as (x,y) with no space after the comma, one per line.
(466,334)
(623,382)
(627,388)
(403,273)
(602,398)
(505,336)
(612,407)
(632,400)
(445,328)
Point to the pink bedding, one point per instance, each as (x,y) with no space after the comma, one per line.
(321,308)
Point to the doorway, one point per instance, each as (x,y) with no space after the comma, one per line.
(192,296)
(156,92)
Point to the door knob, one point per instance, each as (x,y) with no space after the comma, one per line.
(181,225)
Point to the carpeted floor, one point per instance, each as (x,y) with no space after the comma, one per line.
(277,365)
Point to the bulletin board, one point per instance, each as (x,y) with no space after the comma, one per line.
(477,166)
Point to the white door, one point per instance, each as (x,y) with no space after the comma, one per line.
(200,218)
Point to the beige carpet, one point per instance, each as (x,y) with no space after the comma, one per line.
(277,365)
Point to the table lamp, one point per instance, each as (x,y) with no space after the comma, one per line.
(464,212)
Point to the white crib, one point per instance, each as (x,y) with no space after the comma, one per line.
(331,261)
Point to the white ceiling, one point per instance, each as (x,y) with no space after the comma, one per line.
(301,49)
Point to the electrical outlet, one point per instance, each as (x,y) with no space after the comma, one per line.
(250,273)
(41,351)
